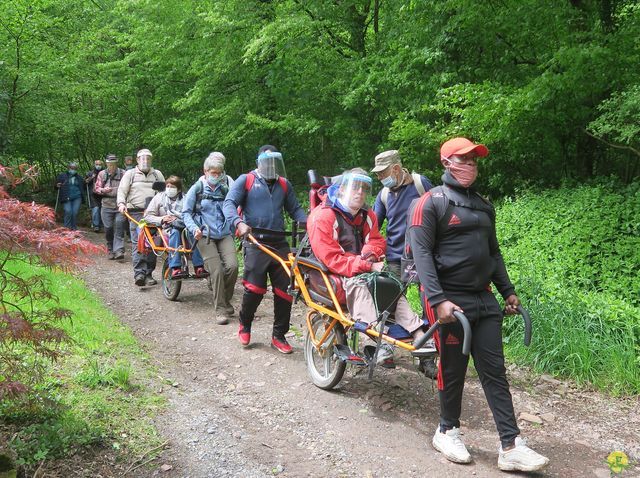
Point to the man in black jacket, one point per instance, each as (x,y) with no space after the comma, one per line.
(453,240)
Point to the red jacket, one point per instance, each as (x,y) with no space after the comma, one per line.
(324,230)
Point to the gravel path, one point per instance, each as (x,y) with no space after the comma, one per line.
(253,412)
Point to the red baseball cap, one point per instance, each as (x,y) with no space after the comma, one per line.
(462,146)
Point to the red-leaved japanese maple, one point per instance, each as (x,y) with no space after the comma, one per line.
(30,334)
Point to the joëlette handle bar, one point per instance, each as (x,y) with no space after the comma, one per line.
(286,265)
(466,327)
(165,247)
(527,324)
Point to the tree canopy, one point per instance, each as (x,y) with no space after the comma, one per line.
(550,87)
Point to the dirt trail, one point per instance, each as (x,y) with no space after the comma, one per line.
(253,412)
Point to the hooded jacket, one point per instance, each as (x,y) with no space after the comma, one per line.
(331,229)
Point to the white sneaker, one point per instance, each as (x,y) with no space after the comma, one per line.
(521,458)
(451,446)
(385,353)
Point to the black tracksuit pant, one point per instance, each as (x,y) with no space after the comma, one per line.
(257,266)
(485,316)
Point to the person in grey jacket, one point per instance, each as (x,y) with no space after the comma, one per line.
(165,211)
(106,187)
(203,217)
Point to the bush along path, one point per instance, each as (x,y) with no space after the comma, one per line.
(253,412)
(90,414)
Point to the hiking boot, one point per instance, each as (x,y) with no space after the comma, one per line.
(385,353)
(178,273)
(229,311)
(201,272)
(118,256)
(96,229)
(222,320)
(150,280)
(521,458)
(281,345)
(427,366)
(244,335)
(451,446)
(111,256)
(140,280)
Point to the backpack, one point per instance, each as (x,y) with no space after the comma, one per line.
(200,194)
(251,178)
(407,264)
(248,184)
(417,182)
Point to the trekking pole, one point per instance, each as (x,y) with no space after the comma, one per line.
(88,202)
(55,209)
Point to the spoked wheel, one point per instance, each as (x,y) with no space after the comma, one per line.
(324,367)
(171,287)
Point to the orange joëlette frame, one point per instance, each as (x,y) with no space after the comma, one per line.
(147,230)
(291,267)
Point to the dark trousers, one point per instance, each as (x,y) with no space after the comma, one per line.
(485,317)
(143,264)
(257,266)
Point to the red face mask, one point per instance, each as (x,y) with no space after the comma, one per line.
(465,174)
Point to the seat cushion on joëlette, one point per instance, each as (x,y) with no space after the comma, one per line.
(317,284)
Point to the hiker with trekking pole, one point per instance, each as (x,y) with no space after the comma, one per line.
(71,193)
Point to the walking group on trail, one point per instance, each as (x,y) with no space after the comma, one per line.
(447,231)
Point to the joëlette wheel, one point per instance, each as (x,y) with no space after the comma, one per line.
(324,368)
(170,288)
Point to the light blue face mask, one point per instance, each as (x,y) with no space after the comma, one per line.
(389,182)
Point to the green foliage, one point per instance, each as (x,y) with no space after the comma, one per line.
(550,87)
(57,436)
(573,254)
(96,395)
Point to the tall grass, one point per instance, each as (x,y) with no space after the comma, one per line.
(574,256)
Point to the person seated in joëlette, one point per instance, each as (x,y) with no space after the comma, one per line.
(344,236)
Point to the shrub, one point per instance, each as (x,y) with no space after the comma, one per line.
(29,334)
(573,254)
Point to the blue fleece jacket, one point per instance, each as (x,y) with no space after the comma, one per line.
(263,205)
(395,213)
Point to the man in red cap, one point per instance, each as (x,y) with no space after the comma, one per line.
(452,237)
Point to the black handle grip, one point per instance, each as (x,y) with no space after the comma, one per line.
(418,344)
(466,342)
(527,324)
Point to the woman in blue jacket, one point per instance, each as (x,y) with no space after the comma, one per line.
(71,193)
(203,217)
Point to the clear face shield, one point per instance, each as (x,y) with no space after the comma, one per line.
(144,162)
(271,165)
(354,190)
